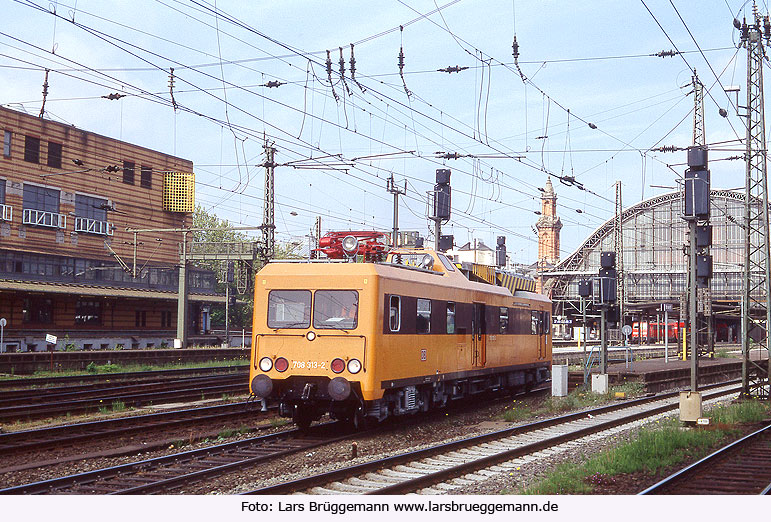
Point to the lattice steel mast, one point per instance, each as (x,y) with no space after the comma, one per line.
(268,218)
(756,308)
(618,243)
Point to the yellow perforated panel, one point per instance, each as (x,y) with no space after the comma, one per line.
(178,191)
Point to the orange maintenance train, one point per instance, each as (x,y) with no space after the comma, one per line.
(362,341)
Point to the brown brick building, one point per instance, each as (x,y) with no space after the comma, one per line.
(68,264)
(549,226)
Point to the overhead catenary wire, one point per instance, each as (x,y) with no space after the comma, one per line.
(503,155)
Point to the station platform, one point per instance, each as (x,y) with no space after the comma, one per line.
(656,375)
(26,363)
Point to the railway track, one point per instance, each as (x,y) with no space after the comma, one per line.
(741,468)
(79,401)
(127,425)
(62,393)
(448,466)
(80,433)
(165,473)
(413,471)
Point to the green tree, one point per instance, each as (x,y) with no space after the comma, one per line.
(220,231)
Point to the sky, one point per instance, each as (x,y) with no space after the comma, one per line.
(587,100)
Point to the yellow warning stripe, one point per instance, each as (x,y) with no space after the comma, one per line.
(511,281)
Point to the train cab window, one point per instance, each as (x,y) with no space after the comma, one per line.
(289,309)
(423,325)
(336,309)
(535,327)
(504,320)
(450,318)
(447,263)
(394,313)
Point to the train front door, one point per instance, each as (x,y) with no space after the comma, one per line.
(478,336)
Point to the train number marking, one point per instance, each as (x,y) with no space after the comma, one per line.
(423,355)
(311,365)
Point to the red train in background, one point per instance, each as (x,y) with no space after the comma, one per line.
(654,331)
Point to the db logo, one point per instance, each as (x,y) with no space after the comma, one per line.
(423,355)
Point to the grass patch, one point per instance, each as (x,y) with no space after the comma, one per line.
(231,432)
(277,422)
(518,411)
(576,400)
(651,450)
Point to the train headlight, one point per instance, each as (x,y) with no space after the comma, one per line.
(266,364)
(310,336)
(281,364)
(350,245)
(354,366)
(427,262)
(338,365)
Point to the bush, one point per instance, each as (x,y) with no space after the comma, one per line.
(92,367)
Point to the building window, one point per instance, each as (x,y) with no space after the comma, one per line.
(91,215)
(31,149)
(91,207)
(165,319)
(424,316)
(6,211)
(7,144)
(128,172)
(88,312)
(37,310)
(54,155)
(41,198)
(41,207)
(146,181)
(140,318)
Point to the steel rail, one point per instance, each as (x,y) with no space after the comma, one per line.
(17,441)
(431,478)
(707,463)
(219,469)
(289,438)
(61,394)
(29,411)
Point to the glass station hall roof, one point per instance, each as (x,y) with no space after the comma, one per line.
(654,261)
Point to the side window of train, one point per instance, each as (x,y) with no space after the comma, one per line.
(535,328)
(424,316)
(546,323)
(395,313)
(504,320)
(450,318)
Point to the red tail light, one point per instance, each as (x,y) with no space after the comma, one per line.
(338,365)
(281,364)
